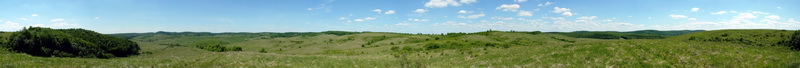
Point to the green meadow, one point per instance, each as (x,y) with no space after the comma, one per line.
(757,48)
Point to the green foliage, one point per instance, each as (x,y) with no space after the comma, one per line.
(38,41)
(262,50)
(665,33)
(293,34)
(4,36)
(117,46)
(375,39)
(565,40)
(794,42)
(463,45)
(236,48)
(749,37)
(641,34)
(456,34)
(611,35)
(527,32)
(216,46)
(340,33)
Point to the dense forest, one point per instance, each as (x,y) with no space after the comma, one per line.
(46,42)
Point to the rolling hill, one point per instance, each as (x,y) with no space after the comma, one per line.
(718,48)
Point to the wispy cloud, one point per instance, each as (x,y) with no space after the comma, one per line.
(57,19)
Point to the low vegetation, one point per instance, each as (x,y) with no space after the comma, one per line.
(526,49)
(642,34)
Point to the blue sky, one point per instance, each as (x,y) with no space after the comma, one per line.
(404,16)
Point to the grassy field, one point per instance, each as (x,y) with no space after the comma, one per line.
(719,48)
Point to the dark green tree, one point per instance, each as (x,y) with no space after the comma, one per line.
(794,42)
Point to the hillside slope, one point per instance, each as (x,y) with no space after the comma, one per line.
(482,49)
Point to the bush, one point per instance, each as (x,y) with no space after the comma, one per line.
(262,50)
(794,42)
(235,48)
(46,42)
(215,48)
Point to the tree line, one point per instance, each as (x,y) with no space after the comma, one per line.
(46,42)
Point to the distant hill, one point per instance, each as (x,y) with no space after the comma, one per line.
(758,37)
(665,33)
(641,34)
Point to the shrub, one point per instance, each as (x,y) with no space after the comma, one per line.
(794,42)
(236,48)
(262,50)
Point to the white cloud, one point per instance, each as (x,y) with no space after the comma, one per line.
(735,24)
(567,14)
(503,18)
(10,26)
(695,9)
(545,4)
(512,7)
(720,12)
(552,24)
(326,6)
(369,18)
(342,18)
(559,10)
(365,19)
(525,13)
(678,16)
(60,25)
(759,12)
(472,16)
(586,19)
(593,23)
(520,0)
(402,24)
(420,10)
(745,16)
(64,25)
(780,7)
(389,12)
(418,20)
(451,23)
(468,1)
(57,19)
(34,15)
(462,12)
(773,17)
(23,19)
(441,3)
(377,10)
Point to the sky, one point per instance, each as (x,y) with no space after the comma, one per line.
(403,16)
